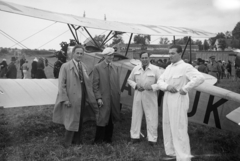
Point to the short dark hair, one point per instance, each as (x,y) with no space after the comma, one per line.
(178,47)
(77,46)
(144,53)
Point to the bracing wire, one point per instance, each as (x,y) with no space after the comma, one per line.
(53,39)
(33,34)
(14,39)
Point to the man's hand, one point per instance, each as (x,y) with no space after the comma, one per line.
(171,89)
(148,87)
(100,102)
(182,92)
(140,89)
(67,104)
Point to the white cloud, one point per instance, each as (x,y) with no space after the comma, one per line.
(227,4)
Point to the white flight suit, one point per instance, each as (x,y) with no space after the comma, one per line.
(145,101)
(184,76)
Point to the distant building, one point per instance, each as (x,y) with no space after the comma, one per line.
(135,49)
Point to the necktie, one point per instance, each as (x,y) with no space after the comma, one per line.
(80,72)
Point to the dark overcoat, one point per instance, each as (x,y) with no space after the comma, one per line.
(11,71)
(108,91)
(70,89)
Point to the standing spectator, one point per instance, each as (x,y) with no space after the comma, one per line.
(3,66)
(229,68)
(202,67)
(34,68)
(213,68)
(12,69)
(40,69)
(22,61)
(145,101)
(221,69)
(74,88)
(106,88)
(25,69)
(176,81)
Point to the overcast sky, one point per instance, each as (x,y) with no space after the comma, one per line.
(209,15)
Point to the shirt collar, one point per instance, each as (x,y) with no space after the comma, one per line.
(106,64)
(149,66)
(177,63)
(76,63)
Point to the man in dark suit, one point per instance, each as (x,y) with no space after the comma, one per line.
(12,69)
(3,70)
(106,88)
(34,68)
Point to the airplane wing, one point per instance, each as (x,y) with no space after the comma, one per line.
(101,24)
(27,92)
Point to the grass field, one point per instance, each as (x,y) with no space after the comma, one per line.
(28,134)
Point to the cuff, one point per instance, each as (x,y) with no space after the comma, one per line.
(155,87)
(185,89)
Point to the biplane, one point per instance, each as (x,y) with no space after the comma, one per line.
(209,105)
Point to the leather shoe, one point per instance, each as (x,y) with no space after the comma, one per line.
(168,157)
(153,144)
(135,141)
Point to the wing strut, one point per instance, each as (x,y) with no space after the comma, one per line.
(128,44)
(105,40)
(189,40)
(75,36)
(75,32)
(92,38)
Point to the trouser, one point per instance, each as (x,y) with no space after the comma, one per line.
(151,114)
(75,137)
(175,126)
(24,74)
(104,133)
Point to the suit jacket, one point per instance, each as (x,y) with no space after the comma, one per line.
(70,89)
(108,91)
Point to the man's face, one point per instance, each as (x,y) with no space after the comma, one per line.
(212,59)
(78,54)
(174,56)
(145,59)
(109,58)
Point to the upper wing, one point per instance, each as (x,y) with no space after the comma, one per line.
(100,24)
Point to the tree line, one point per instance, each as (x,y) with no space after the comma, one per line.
(225,40)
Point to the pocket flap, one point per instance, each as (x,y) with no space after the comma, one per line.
(177,76)
(151,75)
(137,73)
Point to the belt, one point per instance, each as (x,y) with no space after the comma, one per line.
(214,71)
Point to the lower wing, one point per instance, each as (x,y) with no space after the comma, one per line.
(27,92)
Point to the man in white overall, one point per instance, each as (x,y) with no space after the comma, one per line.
(178,78)
(142,76)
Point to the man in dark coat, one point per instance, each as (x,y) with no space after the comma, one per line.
(12,69)
(22,61)
(40,74)
(107,92)
(34,68)
(3,70)
(74,88)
